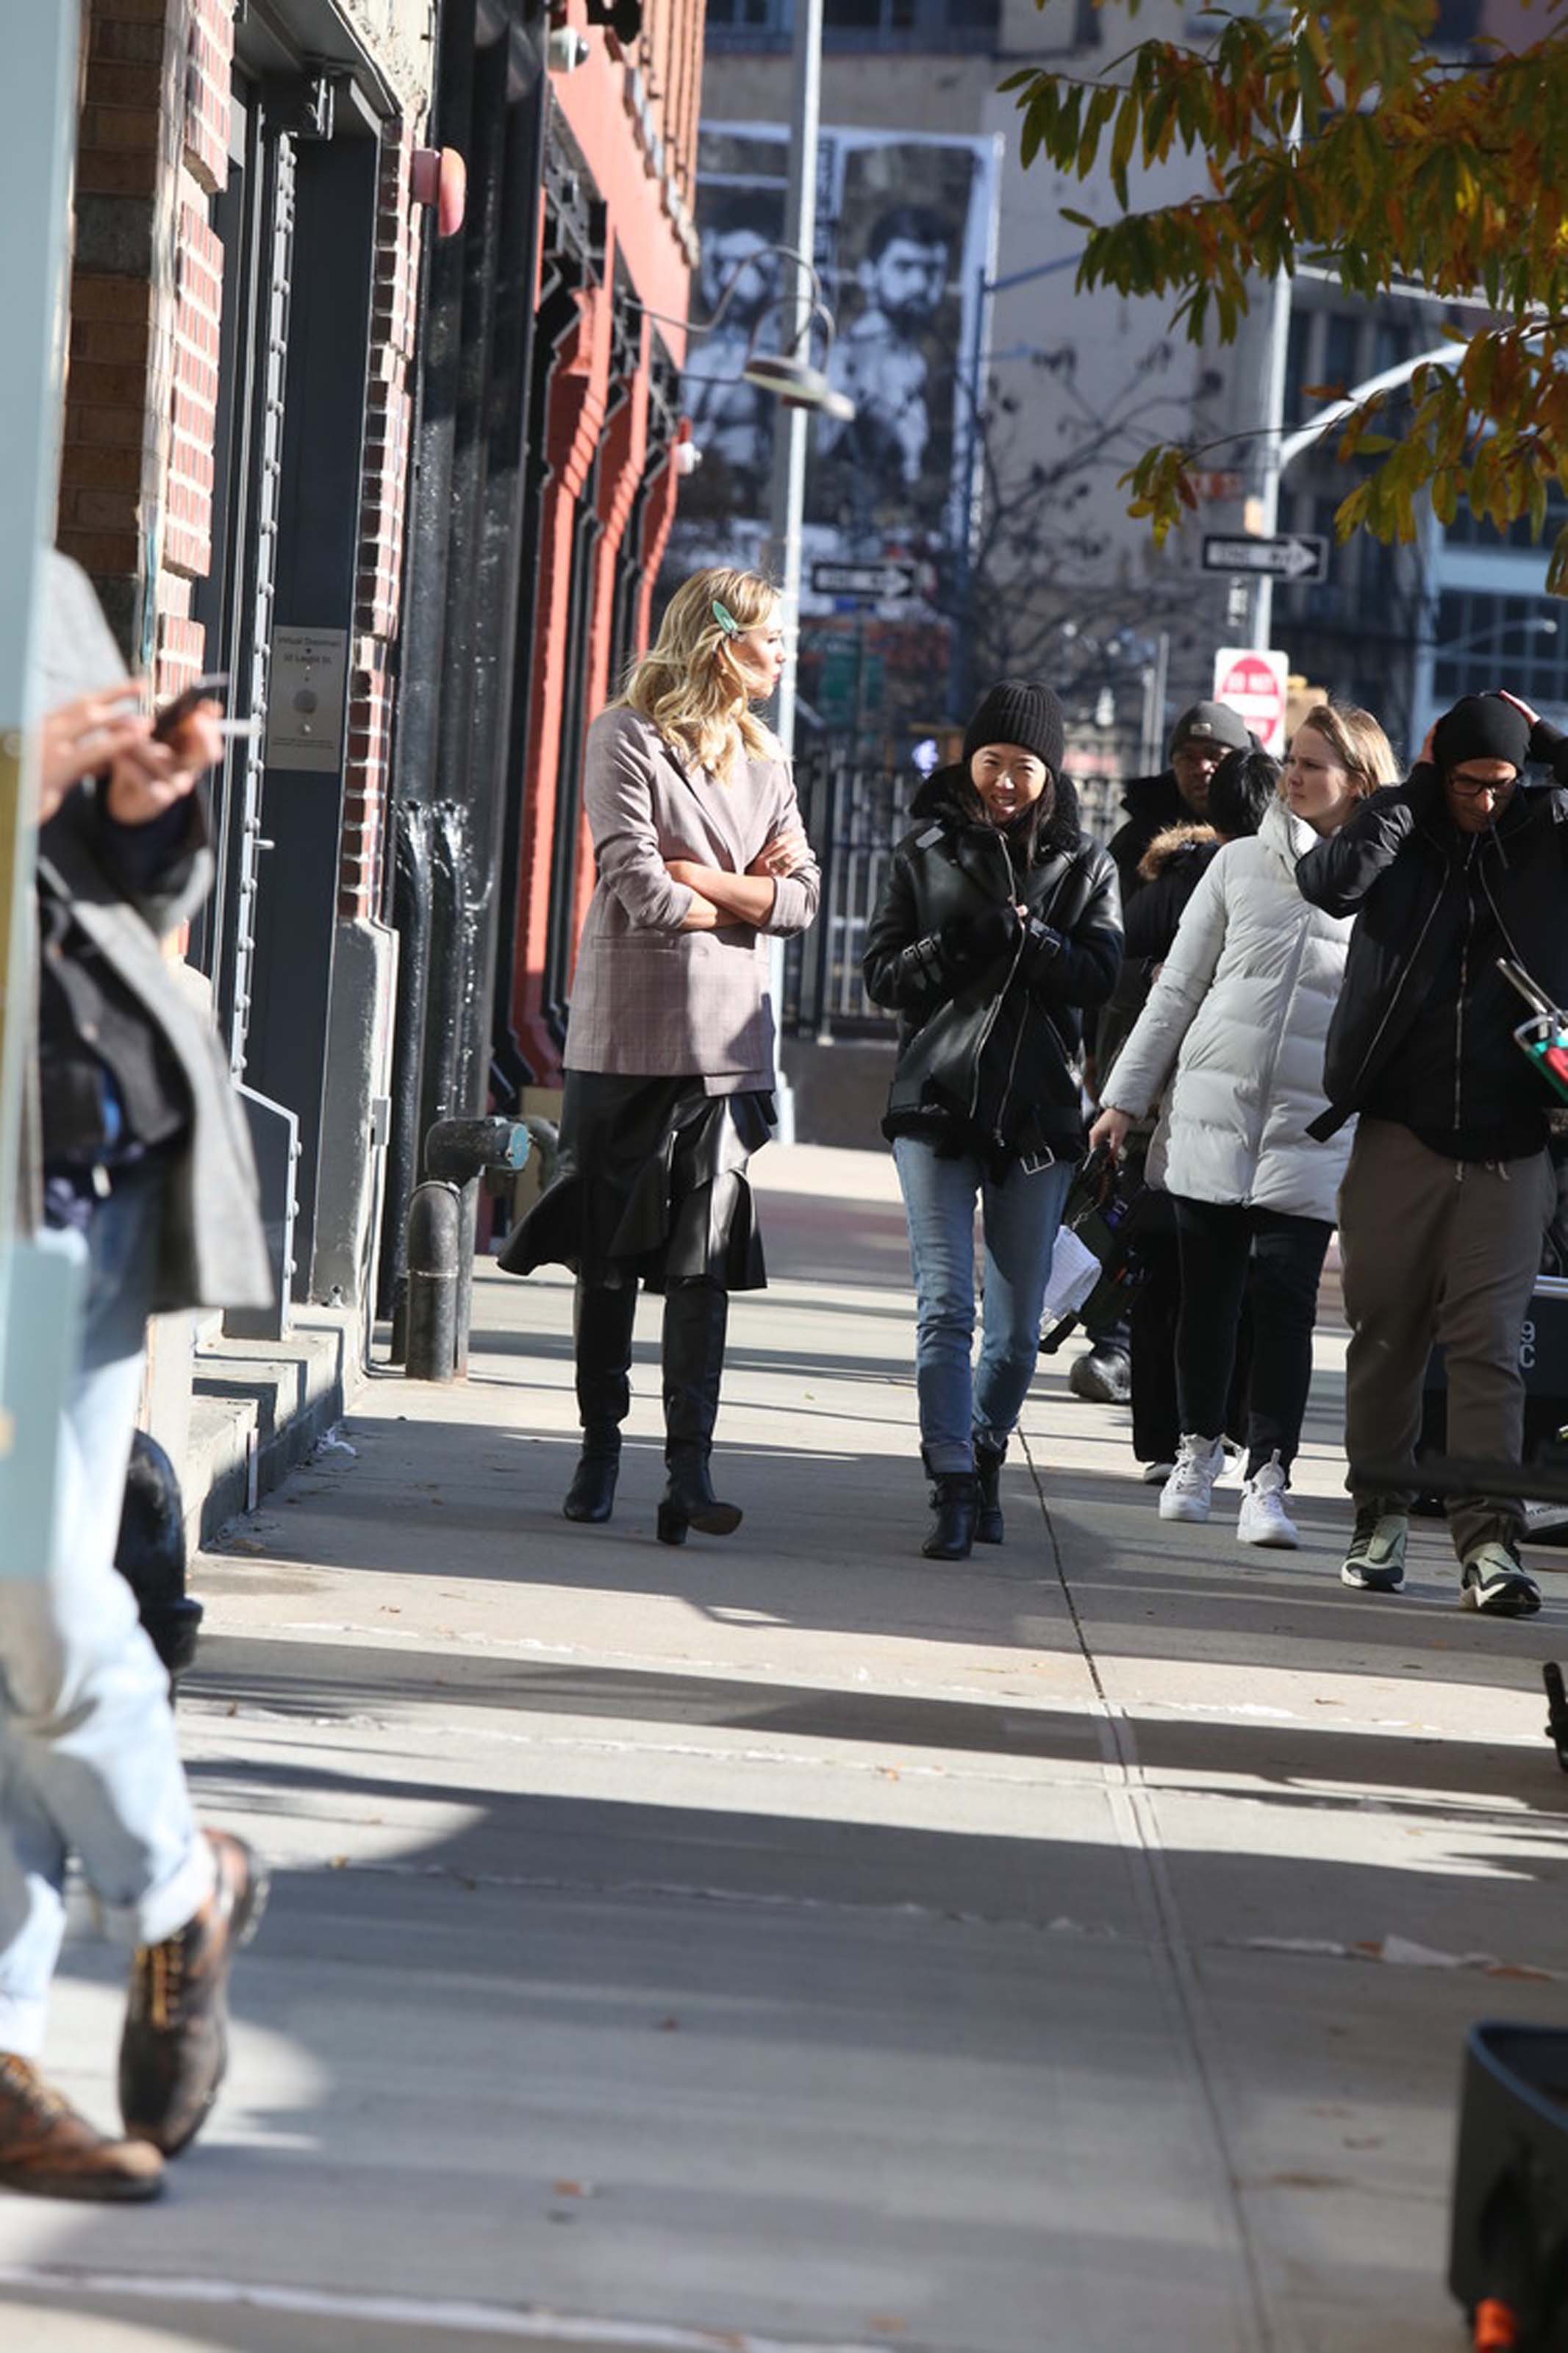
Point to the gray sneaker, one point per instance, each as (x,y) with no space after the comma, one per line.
(1376,1561)
(1495,1583)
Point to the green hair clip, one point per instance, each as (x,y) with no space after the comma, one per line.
(726,619)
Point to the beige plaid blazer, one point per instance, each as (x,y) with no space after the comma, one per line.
(649,1000)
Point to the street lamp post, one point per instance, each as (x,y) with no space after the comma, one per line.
(788,509)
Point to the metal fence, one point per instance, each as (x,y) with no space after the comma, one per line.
(855,816)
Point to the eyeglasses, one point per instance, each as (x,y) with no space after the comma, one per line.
(1470,789)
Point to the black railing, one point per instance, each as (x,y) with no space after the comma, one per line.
(855,816)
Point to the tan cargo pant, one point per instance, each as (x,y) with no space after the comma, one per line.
(1435,1249)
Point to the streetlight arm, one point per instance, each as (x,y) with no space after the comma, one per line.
(705,326)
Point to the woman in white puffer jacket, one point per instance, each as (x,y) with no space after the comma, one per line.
(1241,1010)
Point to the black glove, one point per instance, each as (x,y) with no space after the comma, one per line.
(972,942)
(1042,945)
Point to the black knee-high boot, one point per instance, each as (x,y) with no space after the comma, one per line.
(696,1316)
(602,1316)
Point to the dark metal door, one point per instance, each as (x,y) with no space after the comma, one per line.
(256,220)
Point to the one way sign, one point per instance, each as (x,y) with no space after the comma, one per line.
(889,582)
(1294,555)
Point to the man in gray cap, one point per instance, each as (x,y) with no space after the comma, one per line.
(1180,793)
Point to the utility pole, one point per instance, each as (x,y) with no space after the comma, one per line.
(790,440)
(1266,519)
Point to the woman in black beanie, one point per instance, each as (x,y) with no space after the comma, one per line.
(1000,922)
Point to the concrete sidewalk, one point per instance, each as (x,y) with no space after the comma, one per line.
(789,1939)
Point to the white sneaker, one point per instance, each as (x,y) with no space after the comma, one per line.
(1263,1519)
(1233,1472)
(1187,1493)
(1154,1474)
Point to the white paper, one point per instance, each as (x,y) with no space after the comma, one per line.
(1075,1271)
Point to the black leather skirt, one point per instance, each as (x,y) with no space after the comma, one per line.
(651,1180)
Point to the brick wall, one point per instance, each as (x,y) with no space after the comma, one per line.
(389,420)
(136,477)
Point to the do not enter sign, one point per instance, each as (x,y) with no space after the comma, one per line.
(1255,685)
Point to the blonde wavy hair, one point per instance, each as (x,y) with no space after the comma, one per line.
(687,682)
(1357,743)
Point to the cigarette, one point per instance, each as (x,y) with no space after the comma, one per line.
(238,727)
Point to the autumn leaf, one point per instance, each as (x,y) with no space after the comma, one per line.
(1337,137)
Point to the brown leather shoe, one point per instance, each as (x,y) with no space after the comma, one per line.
(47,2149)
(175,2049)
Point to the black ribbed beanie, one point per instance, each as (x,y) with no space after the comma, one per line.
(1018,711)
(1481,727)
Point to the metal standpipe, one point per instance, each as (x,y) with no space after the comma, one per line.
(458,1154)
(430,1312)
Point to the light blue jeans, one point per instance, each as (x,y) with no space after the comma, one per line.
(88,1757)
(1019,1221)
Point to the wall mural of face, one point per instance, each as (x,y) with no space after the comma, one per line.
(905,282)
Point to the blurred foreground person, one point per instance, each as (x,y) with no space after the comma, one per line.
(1240,1012)
(998,922)
(147,1179)
(669,1047)
(1449,1189)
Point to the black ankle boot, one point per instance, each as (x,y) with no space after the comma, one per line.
(988,1462)
(592,1494)
(602,1317)
(954,1499)
(695,1318)
(689,1502)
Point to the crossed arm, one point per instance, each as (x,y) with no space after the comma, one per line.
(719,897)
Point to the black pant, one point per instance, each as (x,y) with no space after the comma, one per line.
(1157,1423)
(1222,1247)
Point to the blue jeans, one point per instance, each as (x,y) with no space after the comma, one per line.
(88,1757)
(1019,1221)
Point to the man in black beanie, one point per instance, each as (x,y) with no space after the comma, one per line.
(1449,1189)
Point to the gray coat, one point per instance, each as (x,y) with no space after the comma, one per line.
(649,1000)
(212,1252)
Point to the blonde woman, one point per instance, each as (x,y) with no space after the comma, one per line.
(669,1046)
(1241,1013)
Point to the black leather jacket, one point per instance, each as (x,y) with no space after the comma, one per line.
(989,1053)
(1423,1029)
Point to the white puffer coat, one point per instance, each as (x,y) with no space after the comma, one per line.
(1242,1009)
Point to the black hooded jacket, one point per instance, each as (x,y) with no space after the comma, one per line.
(1153,805)
(989,1033)
(1423,1030)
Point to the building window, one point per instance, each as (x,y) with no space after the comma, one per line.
(860,24)
(1483,641)
(1296,367)
(1340,351)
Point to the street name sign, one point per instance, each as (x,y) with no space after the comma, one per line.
(886,581)
(1255,685)
(1293,555)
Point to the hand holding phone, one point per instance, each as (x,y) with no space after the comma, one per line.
(150,777)
(169,723)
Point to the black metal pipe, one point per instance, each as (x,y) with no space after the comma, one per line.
(411,915)
(435,1223)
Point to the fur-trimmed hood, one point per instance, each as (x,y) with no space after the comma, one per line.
(1176,841)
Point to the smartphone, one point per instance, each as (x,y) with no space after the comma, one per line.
(205,690)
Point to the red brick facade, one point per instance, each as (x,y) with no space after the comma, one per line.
(632,114)
(144,391)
